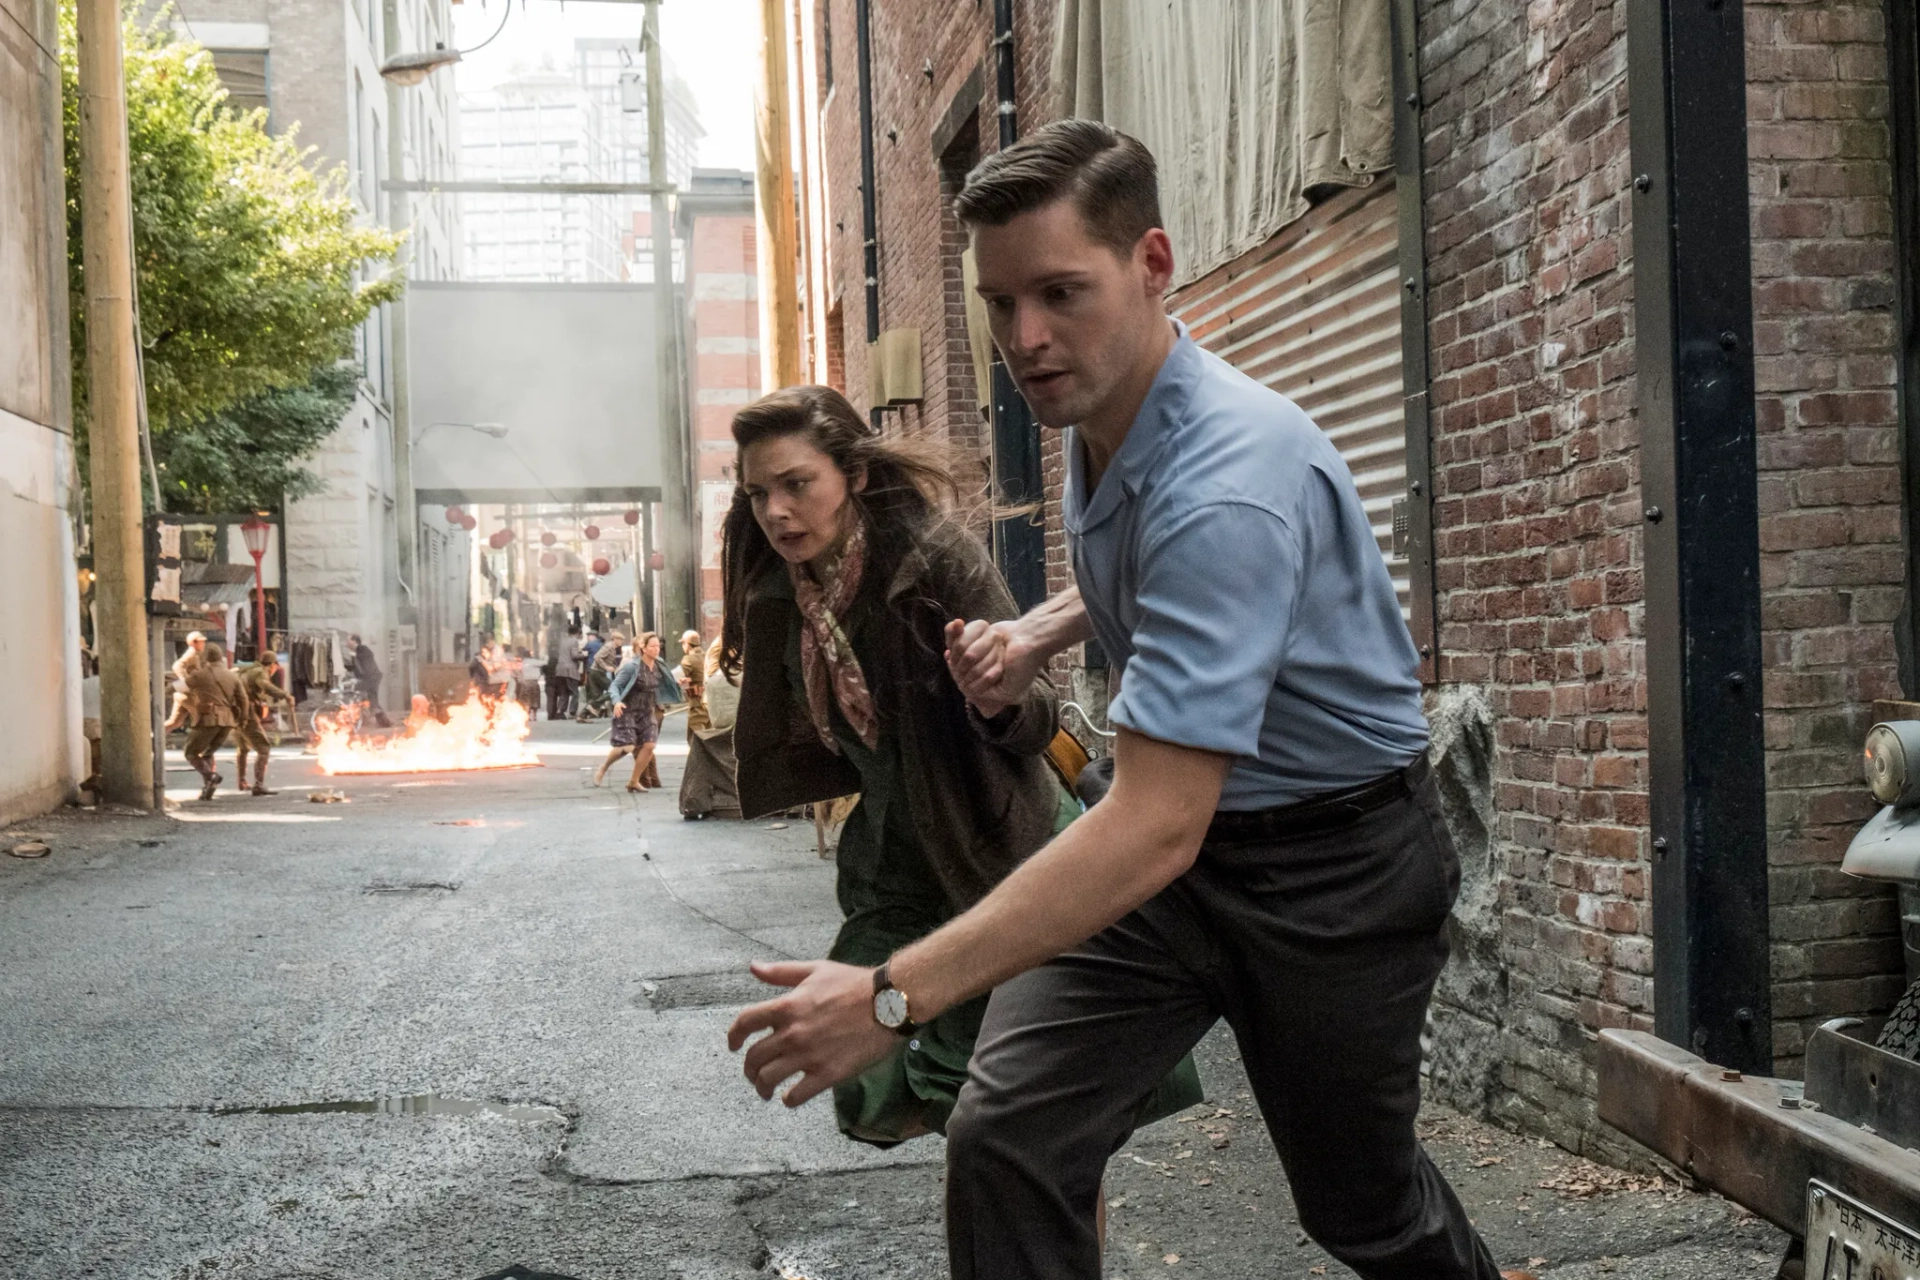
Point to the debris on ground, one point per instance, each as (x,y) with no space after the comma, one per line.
(30,849)
(327,795)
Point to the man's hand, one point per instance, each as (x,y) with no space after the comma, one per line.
(993,663)
(822,1031)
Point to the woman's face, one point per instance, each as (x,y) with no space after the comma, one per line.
(800,498)
(653,647)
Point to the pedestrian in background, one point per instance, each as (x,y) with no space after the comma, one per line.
(261,683)
(563,669)
(217,704)
(600,672)
(639,686)
(693,682)
(367,674)
(182,668)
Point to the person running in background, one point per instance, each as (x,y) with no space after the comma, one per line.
(366,671)
(636,691)
(693,681)
(182,668)
(260,681)
(217,704)
(606,661)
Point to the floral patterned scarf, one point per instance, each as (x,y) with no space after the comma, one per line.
(823,591)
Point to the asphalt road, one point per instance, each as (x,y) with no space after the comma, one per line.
(460,1024)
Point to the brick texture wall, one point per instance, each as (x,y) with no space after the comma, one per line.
(1830,542)
(919,240)
(723,320)
(1536,525)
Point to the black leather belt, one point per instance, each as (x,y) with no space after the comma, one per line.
(1329,812)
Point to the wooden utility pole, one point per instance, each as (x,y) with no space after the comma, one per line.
(773,203)
(676,524)
(113,413)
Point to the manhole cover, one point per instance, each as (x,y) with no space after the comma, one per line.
(734,988)
(411,886)
(518,1272)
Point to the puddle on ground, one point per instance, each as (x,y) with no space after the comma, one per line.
(417,1104)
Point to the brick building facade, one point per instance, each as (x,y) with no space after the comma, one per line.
(1539,697)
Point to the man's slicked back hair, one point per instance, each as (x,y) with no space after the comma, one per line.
(1110,177)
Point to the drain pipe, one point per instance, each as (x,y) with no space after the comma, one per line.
(869,219)
(1003,47)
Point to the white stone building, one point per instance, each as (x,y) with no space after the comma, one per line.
(355,553)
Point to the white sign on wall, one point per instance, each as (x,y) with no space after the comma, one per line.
(716,498)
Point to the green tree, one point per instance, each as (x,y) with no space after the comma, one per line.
(248,457)
(252,271)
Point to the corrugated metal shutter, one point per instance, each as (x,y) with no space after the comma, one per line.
(1314,313)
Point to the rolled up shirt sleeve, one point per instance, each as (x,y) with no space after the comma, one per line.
(1217,592)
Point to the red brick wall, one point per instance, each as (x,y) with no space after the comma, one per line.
(1830,541)
(1535,513)
(723,345)
(919,240)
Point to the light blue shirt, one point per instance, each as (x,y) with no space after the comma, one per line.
(1229,571)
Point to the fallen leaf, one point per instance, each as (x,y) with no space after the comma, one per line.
(1484,1161)
(29,849)
(1222,1142)
(776,826)
(1171,1259)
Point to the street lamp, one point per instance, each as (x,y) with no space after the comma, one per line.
(256,532)
(412,68)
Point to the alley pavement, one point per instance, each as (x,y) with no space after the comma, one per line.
(465,1023)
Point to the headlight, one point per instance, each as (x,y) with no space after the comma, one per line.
(1893,749)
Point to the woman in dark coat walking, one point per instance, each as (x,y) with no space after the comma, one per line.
(842,569)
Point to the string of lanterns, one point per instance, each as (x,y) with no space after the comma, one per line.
(499,538)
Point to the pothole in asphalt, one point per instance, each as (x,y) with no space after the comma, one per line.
(417,1104)
(733,988)
(411,886)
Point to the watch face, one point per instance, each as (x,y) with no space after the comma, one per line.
(890,1007)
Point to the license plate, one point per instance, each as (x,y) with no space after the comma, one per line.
(1848,1241)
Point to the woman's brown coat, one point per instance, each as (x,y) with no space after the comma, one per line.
(980,793)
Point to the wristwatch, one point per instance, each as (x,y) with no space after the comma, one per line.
(890,1004)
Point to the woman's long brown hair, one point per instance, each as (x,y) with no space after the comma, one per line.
(909,484)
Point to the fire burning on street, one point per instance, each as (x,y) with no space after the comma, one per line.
(477,735)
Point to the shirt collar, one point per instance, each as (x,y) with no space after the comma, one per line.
(1171,389)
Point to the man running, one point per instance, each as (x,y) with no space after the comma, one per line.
(1272,850)
(261,683)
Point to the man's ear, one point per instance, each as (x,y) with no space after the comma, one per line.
(1154,253)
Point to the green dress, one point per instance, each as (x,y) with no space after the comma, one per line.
(890,897)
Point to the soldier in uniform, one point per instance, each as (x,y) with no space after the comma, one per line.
(217,703)
(181,670)
(261,683)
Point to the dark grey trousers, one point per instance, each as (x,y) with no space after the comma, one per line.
(1320,951)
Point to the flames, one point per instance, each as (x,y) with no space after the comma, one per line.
(478,734)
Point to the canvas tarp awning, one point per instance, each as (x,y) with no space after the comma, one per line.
(1249,105)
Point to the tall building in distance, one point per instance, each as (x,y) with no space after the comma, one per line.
(586,122)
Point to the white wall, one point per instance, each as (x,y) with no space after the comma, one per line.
(42,753)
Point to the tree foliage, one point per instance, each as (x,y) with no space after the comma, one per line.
(250,270)
(249,457)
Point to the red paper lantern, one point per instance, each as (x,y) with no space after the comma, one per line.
(592,532)
(456,516)
(500,538)
(469,523)
(632,517)
(548,559)
(658,559)
(602,567)
(546,539)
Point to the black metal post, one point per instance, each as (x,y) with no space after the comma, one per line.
(1409,191)
(1019,540)
(869,216)
(1693,322)
(1903,83)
